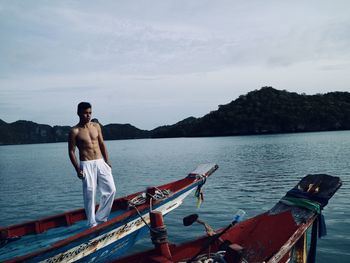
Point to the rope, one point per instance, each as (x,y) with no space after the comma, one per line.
(199,192)
(298,198)
(301,202)
(217,257)
(141,198)
(297,193)
(144,221)
(159,194)
(159,235)
(138,200)
(155,230)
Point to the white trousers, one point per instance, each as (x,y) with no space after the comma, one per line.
(97,177)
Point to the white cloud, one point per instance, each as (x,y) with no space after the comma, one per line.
(156,62)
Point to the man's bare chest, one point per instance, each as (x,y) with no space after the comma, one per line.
(87,135)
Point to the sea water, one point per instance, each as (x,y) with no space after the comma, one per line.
(254,173)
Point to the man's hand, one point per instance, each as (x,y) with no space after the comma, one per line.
(80,174)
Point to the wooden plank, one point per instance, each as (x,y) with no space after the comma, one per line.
(287,247)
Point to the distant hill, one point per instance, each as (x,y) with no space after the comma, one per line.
(267,111)
(25,132)
(123,131)
(261,111)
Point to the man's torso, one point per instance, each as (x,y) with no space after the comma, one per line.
(87,142)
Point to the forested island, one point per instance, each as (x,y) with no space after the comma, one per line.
(264,111)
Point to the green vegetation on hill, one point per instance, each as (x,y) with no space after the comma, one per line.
(25,132)
(259,112)
(268,111)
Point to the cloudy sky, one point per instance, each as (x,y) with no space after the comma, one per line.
(156,62)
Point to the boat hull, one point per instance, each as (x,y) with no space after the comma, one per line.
(116,240)
(276,236)
(69,240)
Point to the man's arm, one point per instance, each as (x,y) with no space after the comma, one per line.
(71,153)
(102,145)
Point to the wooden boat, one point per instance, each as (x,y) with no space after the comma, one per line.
(278,235)
(66,238)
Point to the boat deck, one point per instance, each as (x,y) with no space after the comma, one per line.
(55,235)
(34,242)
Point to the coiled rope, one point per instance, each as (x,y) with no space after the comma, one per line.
(217,257)
(142,198)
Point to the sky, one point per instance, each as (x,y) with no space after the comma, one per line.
(153,63)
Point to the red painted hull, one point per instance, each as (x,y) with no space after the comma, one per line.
(261,237)
(268,237)
(14,234)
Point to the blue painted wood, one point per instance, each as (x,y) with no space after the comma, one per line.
(31,243)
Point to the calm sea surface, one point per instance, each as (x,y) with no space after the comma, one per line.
(255,172)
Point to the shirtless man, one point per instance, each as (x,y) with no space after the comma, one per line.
(94,168)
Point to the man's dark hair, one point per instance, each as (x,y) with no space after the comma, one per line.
(83,106)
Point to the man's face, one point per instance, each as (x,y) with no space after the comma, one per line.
(85,115)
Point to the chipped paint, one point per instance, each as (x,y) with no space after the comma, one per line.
(104,240)
(287,247)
